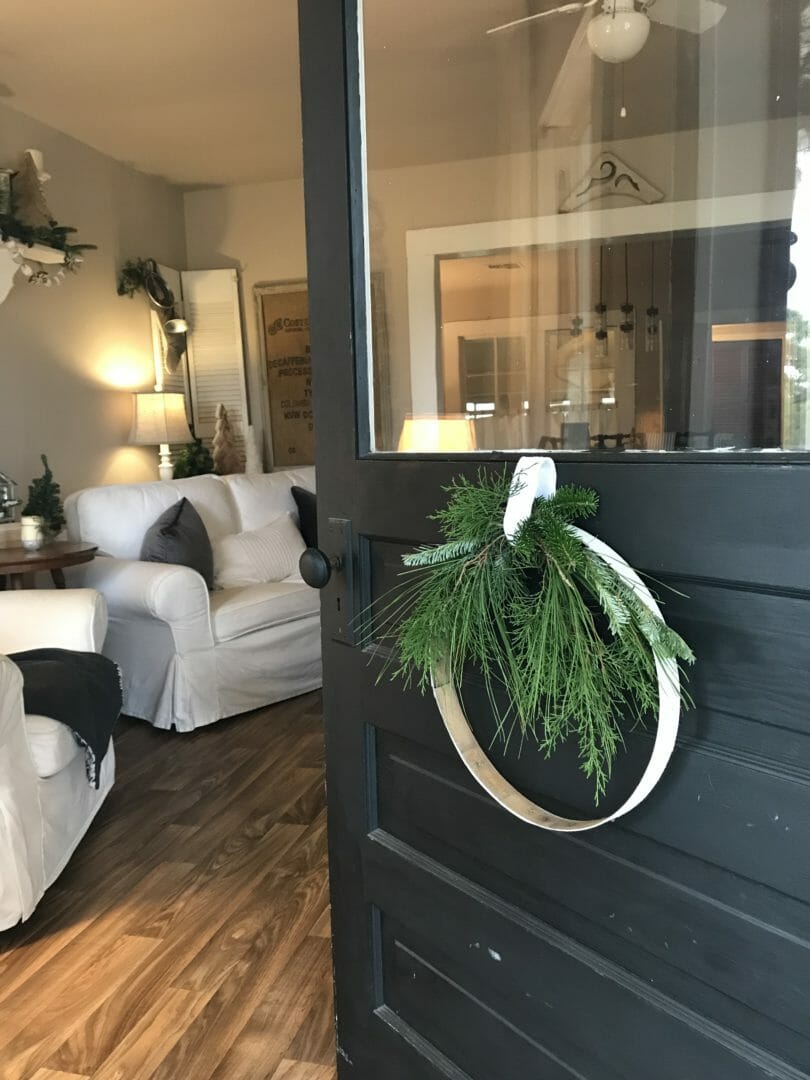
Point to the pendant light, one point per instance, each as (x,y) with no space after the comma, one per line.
(600,329)
(619,33)
(628,324)
(651,322)
(576,320)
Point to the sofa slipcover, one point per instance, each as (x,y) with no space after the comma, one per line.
(51,745)
(45,810)
(235,612)
(189,658)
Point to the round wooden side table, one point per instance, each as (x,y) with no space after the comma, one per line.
(18,565)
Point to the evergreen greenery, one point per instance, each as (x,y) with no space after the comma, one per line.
(52,235)
(544,619)
(193,460)
(138,275)
(131,277)
(44,501)
(29,221)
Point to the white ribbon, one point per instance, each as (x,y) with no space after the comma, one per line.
(534,478)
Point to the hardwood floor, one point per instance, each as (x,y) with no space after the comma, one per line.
(189,936)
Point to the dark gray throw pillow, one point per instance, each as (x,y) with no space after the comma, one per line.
(307,514)
(179,536)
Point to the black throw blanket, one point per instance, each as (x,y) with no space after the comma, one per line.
(81,690)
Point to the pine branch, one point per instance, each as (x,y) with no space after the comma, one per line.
(549,624)
(430,556)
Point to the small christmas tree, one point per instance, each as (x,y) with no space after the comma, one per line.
(44,502)
(227,458)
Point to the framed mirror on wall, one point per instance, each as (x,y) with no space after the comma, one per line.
(571,334)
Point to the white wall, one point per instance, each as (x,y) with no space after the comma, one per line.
(259,228)
(70,355)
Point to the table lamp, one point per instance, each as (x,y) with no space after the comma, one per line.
(437,435)
(159,419)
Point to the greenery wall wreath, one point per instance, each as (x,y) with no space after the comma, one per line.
(546,613)
(143,275)
(29,230)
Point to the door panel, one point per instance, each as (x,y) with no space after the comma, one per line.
(469,945)
(701,895)
(489,977)
(667,925)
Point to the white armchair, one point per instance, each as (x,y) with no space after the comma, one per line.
(187,657)
(160,635)
(46,802)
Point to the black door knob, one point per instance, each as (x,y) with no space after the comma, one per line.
(316,567)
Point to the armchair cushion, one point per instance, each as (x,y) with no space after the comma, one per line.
(52,618)
(179,537)
(307,503)
(51,744)
(261,555)
(116,517)
(260,497)
(236,612)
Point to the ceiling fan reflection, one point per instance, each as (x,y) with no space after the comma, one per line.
(621,29)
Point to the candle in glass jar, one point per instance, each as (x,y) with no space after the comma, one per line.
(31,533)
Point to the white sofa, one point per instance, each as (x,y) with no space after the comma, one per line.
(187,657)
(46,801)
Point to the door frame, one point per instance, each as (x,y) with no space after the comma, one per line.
(353,480)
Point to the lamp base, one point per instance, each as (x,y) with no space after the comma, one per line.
(166,468)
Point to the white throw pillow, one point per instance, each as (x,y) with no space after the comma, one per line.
(253,558)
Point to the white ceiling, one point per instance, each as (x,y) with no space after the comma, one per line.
(205,92)
(197,91)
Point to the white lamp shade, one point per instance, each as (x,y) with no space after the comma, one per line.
(159,418)
(617,36)
(437,435)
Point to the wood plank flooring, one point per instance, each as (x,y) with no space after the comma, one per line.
(188,938)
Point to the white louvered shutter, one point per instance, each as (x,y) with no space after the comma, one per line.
(216,364)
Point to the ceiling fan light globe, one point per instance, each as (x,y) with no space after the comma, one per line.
(616,38)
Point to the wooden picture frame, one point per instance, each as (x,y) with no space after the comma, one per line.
(291,424)
(283,322)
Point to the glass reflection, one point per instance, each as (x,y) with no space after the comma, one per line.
(580,251)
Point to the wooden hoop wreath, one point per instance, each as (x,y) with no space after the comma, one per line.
(539,478)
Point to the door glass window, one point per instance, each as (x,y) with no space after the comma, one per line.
(588,226)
